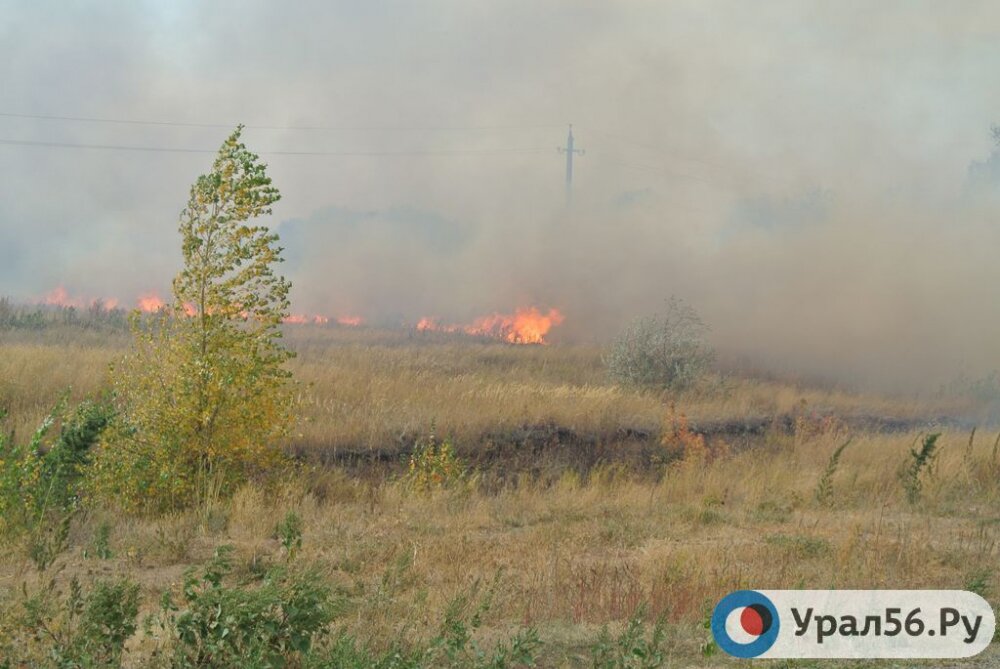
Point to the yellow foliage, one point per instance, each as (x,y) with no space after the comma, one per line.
(203,395)
(433,466)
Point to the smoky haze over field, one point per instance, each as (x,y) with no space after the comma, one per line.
(815,178)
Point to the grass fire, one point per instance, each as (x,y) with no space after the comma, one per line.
(496,335)
(526,325)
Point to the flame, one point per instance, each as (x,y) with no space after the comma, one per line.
(303,319)
(426,324)
(150,302)
(58,297)
(527,325)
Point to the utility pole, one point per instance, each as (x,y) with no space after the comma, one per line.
(569,151)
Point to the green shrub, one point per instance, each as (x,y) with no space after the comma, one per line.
(633,648)
(39,480)
(664,351)
(289,533)
(271,625)
(454,646)
(433,465)
(81,629)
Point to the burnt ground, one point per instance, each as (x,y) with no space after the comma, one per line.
(547,450)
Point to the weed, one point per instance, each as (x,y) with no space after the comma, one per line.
(220,626)
(681,443)
(39,480)
(708,647)
(289,532)
(48,540)
(100,544)
(920,460)
(978,581)
(434,465)
(347,652)
(967,458)
(799,546)
(453,647)
(824,489)
(771,511)
(173,537)
(81,629)
(633,648)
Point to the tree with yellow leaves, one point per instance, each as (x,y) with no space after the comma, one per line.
(204,397)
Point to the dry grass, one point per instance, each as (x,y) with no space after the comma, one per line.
(363,389)
(572,556)
(411,379)
(567,556)
(33,376)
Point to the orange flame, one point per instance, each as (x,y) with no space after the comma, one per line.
(302,319)
(527,325)
(426,324)
(150,303)
(58,297)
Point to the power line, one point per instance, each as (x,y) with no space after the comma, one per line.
(373,154)
(650,147)
(192,124)
(652,168)
(345,154)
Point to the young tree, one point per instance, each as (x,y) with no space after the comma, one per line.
(204,395)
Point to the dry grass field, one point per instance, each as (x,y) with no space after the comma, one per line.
(561,549)
(366,389)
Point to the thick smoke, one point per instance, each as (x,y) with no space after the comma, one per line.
(816,179)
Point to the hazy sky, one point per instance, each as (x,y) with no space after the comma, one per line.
(797,171)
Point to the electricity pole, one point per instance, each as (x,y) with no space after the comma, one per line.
(569,151)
